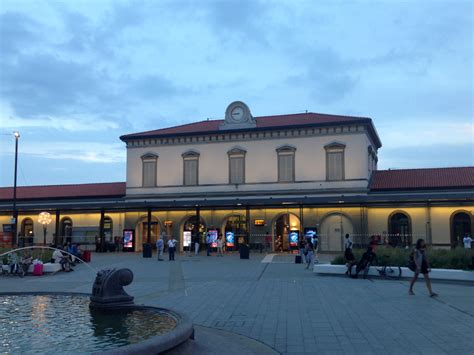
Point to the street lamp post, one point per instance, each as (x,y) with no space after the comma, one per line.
(45,219)
(15,213)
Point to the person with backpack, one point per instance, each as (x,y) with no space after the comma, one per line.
(420,264)
(172,248)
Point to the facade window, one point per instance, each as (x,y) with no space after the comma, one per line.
(286,163)
(190,168)
(460,226)
(399,227)
(65,228)
(335,161)
(236,166)
(149,161)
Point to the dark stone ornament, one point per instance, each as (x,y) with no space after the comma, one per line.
(107,290)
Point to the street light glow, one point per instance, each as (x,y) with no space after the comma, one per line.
(16,134)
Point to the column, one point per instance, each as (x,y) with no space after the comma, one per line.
(56,229)
(148,229)
(101,231)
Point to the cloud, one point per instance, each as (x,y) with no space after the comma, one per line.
(90,152)
(71,124)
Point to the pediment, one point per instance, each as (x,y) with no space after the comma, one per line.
(149,156)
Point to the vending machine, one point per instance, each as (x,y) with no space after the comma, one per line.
(128,240)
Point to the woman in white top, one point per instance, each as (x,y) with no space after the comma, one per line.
(219,246)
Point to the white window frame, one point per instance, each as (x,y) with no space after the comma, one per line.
(150,158)
(237,153)
(335,148)
(190,155)
(285,151)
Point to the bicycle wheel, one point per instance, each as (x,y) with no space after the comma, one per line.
(393,272)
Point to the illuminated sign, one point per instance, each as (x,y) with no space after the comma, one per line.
(186,238)
(293,238)
(230,239)
(259,222)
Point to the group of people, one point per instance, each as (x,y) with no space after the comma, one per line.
(418,263)
(160,248)
(66,255)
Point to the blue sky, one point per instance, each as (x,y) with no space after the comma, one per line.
(75,75)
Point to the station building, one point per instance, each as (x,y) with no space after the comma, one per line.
(255,178)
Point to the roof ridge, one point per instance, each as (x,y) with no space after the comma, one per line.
(87,183)
(435,168)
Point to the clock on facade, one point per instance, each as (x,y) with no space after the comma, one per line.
(238,116)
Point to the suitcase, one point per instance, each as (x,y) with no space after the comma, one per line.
(297,259)
(38,269)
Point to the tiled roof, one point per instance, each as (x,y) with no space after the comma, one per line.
(113,189)
(422,179)
(263,123)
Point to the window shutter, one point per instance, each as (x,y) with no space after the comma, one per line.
(285,166)
(190,172)
(335,168)
(149,173)
(236,170)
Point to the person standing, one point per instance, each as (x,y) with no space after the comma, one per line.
(279,244)
(172,248)
(219,246)
(196,244)
(421,266)
(208,243)
(268,242)
(467,240)
(160,246)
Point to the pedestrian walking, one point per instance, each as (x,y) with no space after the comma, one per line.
(421,265)
(279,244)
(160,246)
(309,254)
(348,254)
(219,246)
(208,243)
(172,248)
(301,246)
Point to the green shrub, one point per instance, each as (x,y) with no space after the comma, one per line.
(439,259)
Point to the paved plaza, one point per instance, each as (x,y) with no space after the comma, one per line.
(284,306)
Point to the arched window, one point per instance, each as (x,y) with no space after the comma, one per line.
(400,230)
(27,228)
(460,226)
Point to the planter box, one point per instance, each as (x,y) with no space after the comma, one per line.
(435,274)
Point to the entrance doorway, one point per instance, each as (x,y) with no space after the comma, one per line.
(141,231)
(460,226)
(192,226)
(285,225)
(333,229)
(234,229)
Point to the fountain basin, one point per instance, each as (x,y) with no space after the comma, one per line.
(59,322)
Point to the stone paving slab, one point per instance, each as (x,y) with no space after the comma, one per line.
(287,307)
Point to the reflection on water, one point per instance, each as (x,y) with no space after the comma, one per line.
(57,323)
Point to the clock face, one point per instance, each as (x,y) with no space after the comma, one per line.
(237,114)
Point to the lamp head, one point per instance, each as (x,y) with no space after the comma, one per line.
(16,134)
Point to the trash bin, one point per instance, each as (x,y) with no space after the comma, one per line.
(244,251)
(146,250)
(86,256)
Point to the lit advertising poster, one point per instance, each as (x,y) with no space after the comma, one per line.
(229,239)
(293,236)
(213,234)
(186,238)
(128,239)
(310,233)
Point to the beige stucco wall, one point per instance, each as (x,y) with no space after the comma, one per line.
(260,165)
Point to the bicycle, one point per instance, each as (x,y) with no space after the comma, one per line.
(384,269)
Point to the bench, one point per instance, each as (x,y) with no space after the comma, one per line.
(47,268)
